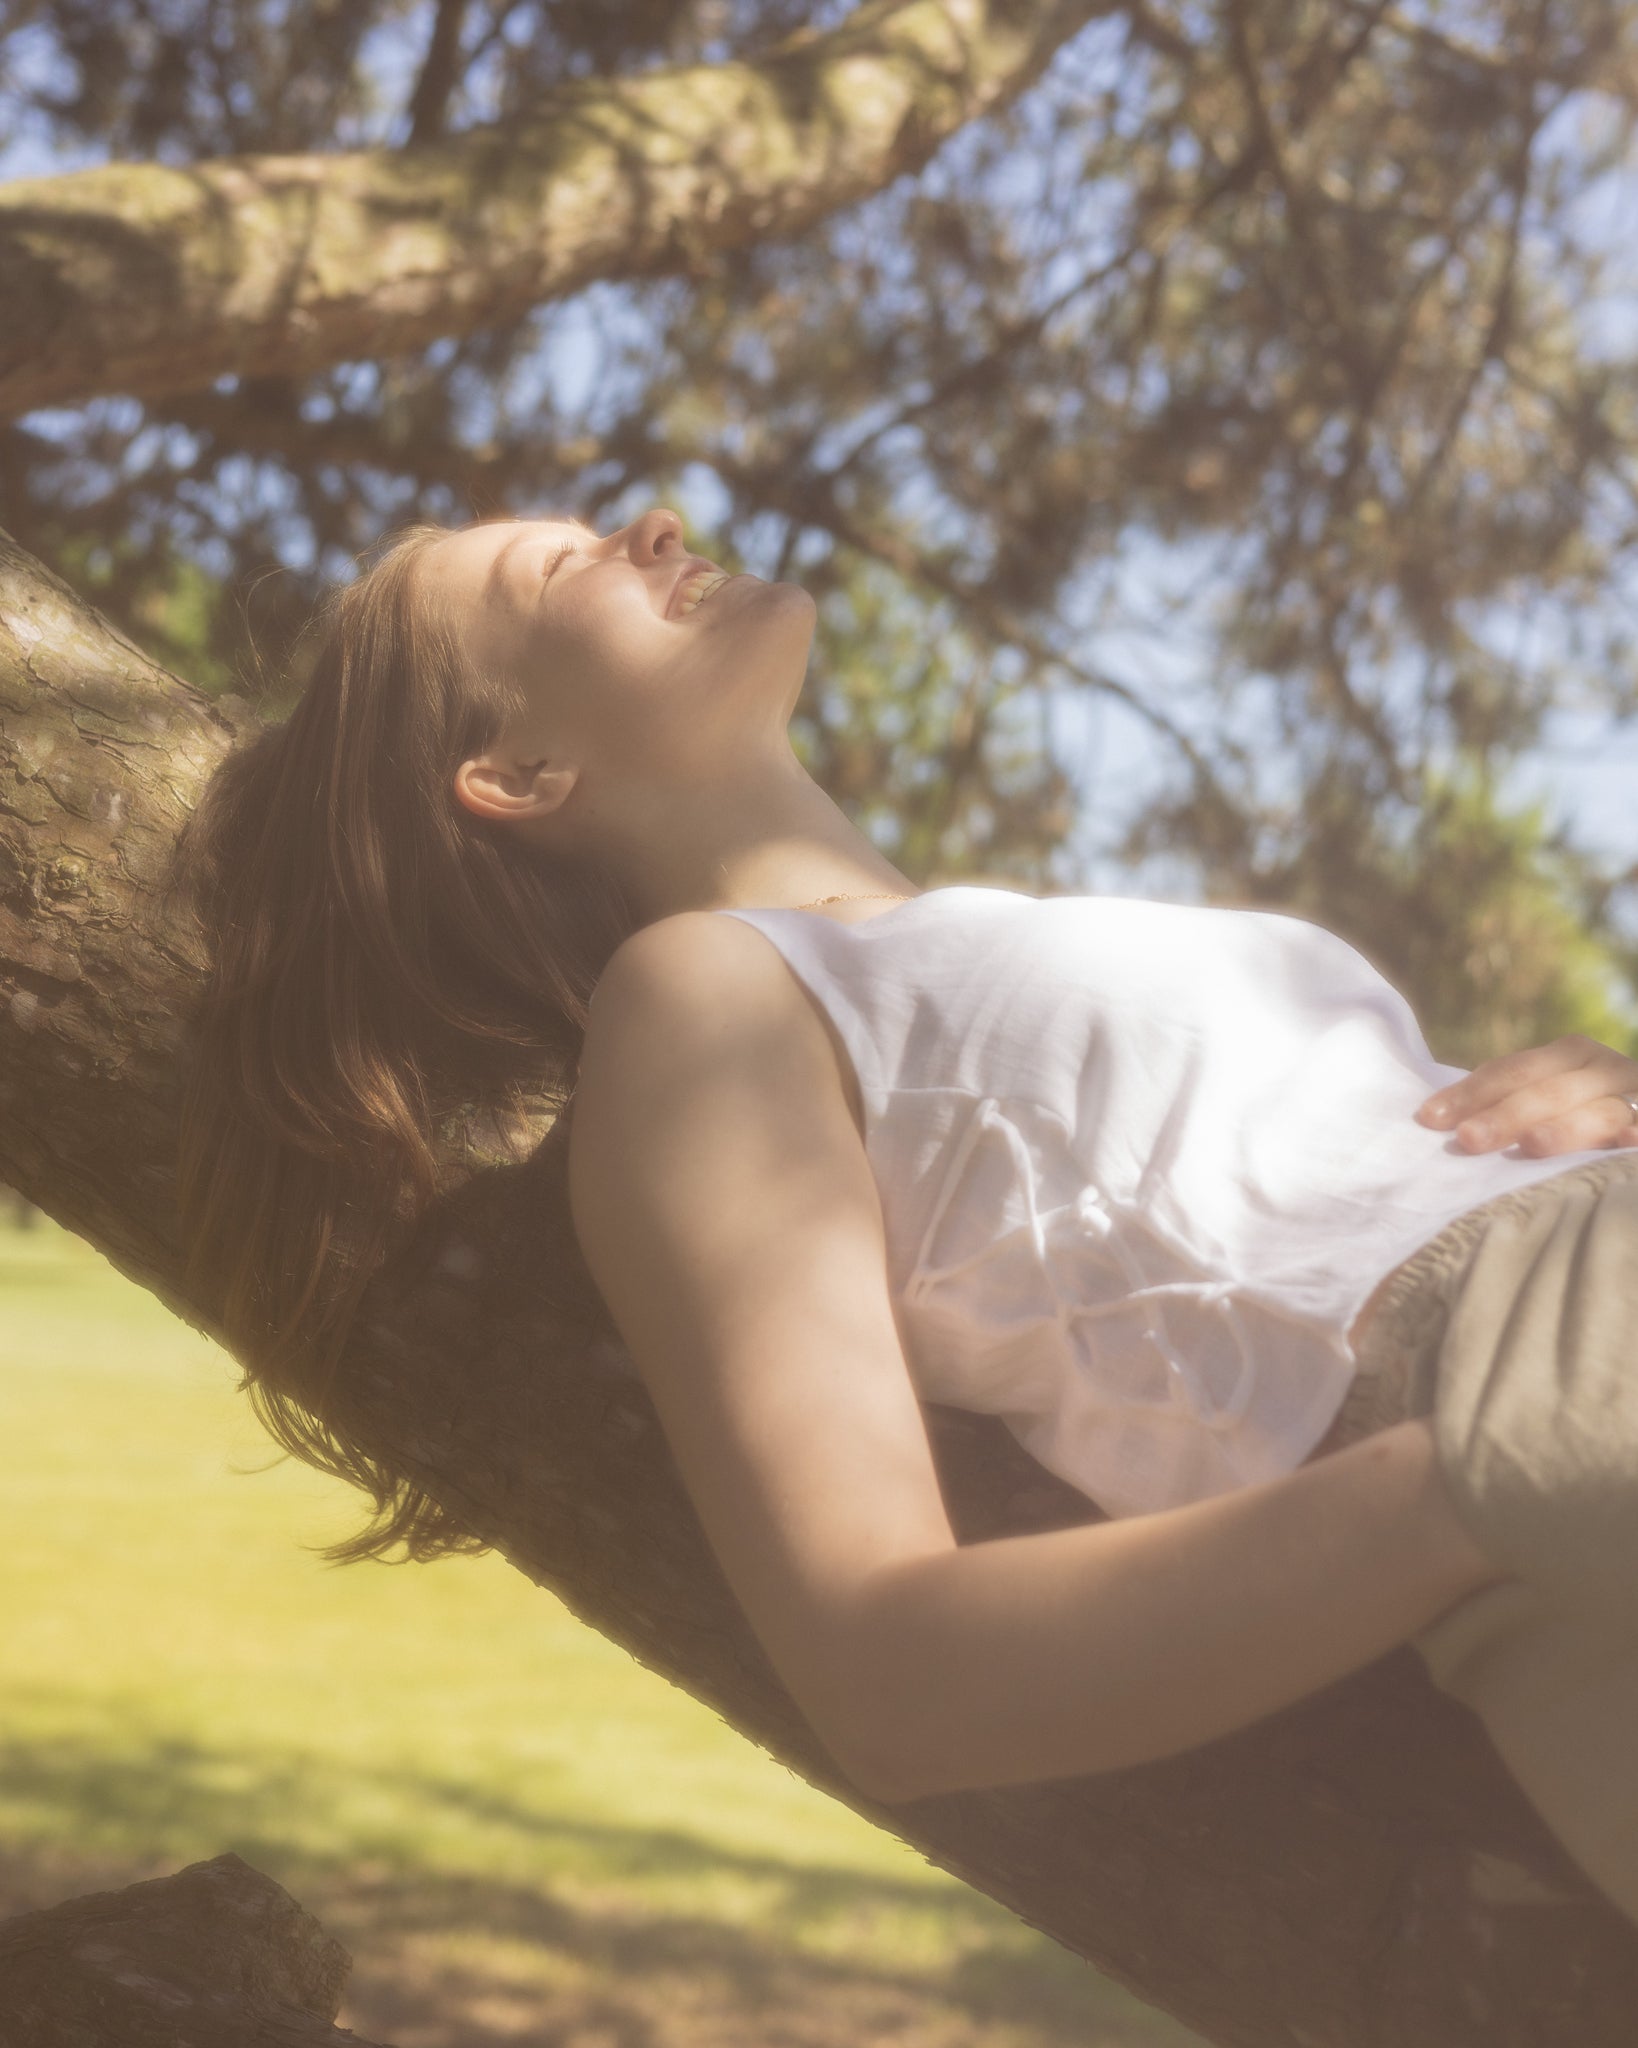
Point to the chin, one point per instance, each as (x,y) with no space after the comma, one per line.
(777,593)
(794,602)
(777,612)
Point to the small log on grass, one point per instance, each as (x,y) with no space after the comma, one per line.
(216,1956)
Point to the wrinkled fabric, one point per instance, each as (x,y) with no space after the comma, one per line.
(1517,1329)
(1091,1330)
(1140,1165)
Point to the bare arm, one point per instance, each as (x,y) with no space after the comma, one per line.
(1088,1649)
(726,1207)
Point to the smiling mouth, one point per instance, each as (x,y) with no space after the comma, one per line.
(698,588)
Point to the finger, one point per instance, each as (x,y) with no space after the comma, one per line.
(1547,1103)
(1592,1127)
(1496,1079)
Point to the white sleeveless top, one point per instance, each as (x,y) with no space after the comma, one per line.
(1140,1166)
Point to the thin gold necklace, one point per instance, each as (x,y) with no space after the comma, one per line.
(867,896)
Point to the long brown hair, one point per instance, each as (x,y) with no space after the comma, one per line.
(378,959)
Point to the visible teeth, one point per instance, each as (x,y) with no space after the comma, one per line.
(698,591)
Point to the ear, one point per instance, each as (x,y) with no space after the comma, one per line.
(496,785)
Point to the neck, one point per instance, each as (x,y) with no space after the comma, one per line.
(773,840)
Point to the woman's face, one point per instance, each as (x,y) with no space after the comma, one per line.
(637,665)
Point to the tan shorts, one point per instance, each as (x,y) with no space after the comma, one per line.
(1517,1330)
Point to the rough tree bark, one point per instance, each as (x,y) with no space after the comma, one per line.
(148,279)
(1356,1871)
(215,1956)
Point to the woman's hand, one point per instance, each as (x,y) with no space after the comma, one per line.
(1570,1096)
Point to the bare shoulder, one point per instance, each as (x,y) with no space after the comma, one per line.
(702,1044)
(694,972)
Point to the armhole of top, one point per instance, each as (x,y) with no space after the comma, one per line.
(854,1088)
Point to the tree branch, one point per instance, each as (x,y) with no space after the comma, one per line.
(1493,340)
(145,279)
(440,70)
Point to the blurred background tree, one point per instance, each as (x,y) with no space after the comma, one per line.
(1216,471)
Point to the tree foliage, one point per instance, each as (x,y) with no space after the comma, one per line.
(1243,399)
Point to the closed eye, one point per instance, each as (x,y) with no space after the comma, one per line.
(551,566)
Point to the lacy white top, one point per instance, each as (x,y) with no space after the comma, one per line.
(1140,1166)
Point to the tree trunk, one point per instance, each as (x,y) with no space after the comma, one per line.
(1357,1870)
(147,279)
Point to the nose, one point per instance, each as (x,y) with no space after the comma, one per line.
(657,532)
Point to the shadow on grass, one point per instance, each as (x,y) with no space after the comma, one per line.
(629,1937)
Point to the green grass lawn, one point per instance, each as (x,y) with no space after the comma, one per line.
(520,1834)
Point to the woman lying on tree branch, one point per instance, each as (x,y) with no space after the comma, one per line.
(1339,1339)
